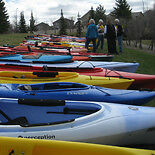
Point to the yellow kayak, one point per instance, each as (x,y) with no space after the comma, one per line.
(44,77)
(19,146)
(65,44)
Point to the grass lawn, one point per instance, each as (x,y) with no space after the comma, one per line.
(146,60)
(146,42)
(12,39)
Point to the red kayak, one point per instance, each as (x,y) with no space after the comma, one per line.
(142,81)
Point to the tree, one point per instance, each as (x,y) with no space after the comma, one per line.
(92,14)
(122,10)
(4,22)
(32,27)
(79,26)
(63,25)
(22,24)
(100,13)
(150,27)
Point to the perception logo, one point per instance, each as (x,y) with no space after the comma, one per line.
(39,137)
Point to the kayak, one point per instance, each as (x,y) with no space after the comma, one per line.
(73,51)
(119,66)
(76,92)
(44,77)
(142,81)
(101,57)
(39,147)
(37,58)
(92,122)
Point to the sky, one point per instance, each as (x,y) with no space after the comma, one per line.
(49,10)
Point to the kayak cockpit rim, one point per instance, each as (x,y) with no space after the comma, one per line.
(83,115)
(52,86)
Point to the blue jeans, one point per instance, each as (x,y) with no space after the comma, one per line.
(120,39)
(100,40)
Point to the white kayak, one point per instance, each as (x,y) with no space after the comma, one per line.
(93,122)
(119,66)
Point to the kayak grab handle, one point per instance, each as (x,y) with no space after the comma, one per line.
(86,62)
(41,102)
(45,74)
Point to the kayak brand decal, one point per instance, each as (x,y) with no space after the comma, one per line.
(39,137)
(75,93)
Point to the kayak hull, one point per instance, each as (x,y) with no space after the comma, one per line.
(39,147)
(75,91)
(119,66)
(106,126)
(43,77)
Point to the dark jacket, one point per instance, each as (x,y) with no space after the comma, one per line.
(119,30)
(111,33)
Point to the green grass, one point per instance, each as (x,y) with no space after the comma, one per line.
(146,60)
(146,42)
(12,39)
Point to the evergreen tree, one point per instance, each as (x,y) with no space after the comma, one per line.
(100,13)
(22,24)
(4,23)
(63,25)
(79,26)
(122,10)
(32,27)
(92,14)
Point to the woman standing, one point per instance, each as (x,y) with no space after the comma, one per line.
(100,27)
(91,34)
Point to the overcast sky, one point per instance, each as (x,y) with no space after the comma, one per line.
(49,10)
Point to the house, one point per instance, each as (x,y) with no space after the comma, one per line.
(85,18)
(136,14)
(69,23)
(43,26)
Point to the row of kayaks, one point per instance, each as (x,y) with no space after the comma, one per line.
(80,101)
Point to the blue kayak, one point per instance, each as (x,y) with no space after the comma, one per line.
(75,91)
(37,58)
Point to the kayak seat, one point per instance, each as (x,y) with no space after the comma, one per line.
(32,56)
(17,121)
(25,87)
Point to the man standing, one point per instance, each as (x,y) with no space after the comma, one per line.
(119,34)
(91,34)
(110,33)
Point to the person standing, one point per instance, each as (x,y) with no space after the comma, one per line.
(100,34)
(119,34)
(91,34)
(110,33)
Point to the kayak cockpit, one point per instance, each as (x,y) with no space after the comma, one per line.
(34,112)
(52,86)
